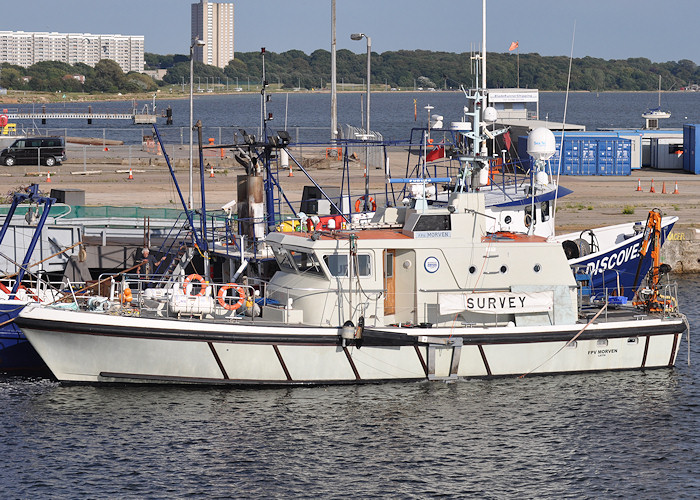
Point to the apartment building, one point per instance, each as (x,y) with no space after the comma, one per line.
(26,48)
(213,23)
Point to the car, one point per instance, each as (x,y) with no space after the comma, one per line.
(28,150)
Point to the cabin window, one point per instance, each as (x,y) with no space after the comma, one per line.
(337,264)
(306,262)
(364,265)
(283,259)
(433,223)
(544,209)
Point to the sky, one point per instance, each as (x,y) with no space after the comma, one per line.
(659,30)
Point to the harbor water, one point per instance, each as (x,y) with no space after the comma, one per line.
(612,434)
(307,115)
(601,435)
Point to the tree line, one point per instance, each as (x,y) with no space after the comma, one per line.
(403,69)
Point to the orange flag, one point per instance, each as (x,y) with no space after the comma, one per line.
(513,46)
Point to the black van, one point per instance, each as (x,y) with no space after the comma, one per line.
(27,150)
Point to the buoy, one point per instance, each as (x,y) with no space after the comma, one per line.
(652,190)
(48,176)
(675,190)
(211,171)
(131,175)
(663,188)
(639,184)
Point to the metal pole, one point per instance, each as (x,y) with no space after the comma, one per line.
(190,201)
(334,95)
(483,45)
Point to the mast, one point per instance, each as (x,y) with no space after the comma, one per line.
(483,44)
(334,95)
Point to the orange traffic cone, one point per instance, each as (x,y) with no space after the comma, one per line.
(675,190)
(106,148)
(48,176)
(663,188)
(211,171)
(652,190)
(291,172)
(131,176)
(639,184)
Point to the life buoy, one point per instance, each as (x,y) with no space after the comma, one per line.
(203,285)
(359,203)
(221,296)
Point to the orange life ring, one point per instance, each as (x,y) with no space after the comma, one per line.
(203,287)
(221,296)
(359,201)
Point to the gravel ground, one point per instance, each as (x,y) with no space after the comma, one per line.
(103,175)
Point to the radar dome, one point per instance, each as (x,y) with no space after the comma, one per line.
(541,144)
(490,114)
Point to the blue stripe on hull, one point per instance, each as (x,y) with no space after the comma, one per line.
(618,267)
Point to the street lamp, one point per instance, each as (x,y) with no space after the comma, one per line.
(359,36)
(195,43)
(356,37)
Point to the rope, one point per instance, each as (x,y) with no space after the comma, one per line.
(568,343)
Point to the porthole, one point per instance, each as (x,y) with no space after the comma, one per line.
(504,269)
(507,219)
(602,342)
(472,269)
(537,268)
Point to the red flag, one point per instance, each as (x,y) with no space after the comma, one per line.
(513,46)
(506,139)
(435,154)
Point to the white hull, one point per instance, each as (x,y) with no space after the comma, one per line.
(91,347)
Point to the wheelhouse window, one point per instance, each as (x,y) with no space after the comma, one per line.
(544,208)
(283,259)
(433,223)
(306,262)
(338,265)
(364,265)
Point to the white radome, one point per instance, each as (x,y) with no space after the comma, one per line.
(541,144)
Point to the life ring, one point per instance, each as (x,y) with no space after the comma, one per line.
(203,285)
(221,296)
(359,203)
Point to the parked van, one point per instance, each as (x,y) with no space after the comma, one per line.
(27,150)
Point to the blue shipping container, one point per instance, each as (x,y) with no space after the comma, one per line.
(603,154)
(691,161)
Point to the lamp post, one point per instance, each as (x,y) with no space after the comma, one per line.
(195,43)
(356,37)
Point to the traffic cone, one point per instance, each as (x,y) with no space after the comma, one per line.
(291,172)
(48,176)
(675,190)
(131,176)
(652,190)
(106,148)
(663,188)
(639,184)
(211,171)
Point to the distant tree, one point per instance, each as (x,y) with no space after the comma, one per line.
(108,77)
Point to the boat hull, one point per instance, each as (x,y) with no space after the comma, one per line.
(619,265)
(87,347)
(17,356)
